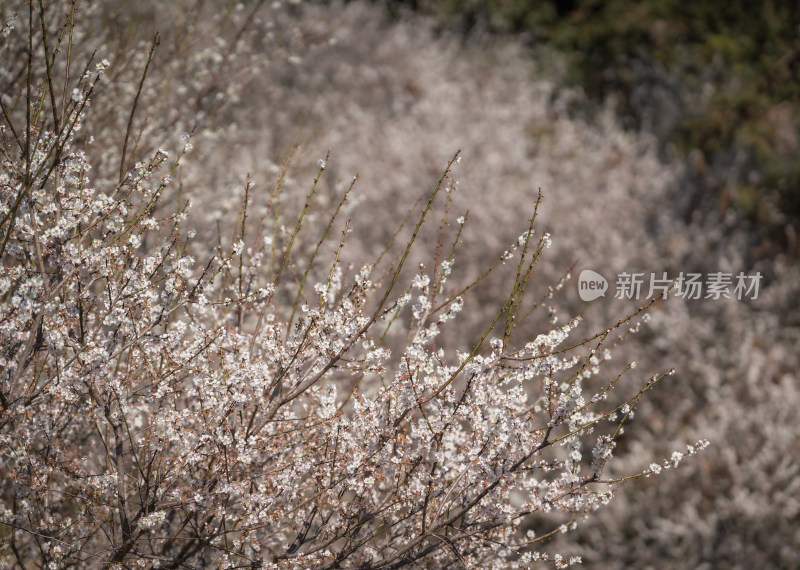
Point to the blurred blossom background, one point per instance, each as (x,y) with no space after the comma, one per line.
(663,135)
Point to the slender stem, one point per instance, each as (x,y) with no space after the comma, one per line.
(122,163)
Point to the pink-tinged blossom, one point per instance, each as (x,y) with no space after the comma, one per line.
(162,407)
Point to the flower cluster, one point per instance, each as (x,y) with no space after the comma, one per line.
(164,412)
